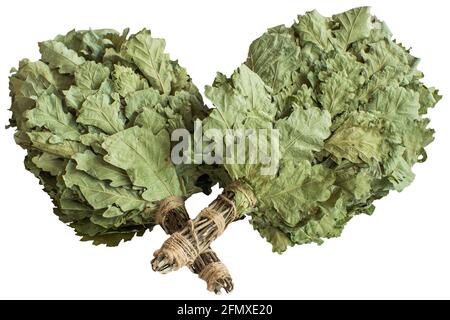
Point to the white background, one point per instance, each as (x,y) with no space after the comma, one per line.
(402,251)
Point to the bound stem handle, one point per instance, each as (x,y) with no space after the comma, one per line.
(172,217)
(184,246)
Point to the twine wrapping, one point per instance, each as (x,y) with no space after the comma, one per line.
(231,204)
(216,218)
(165,206)
(248,194)
(179,249)
(172,217)
(212,273)
(183,247)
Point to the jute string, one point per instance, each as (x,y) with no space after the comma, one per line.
(212,273)
(165,206)
(179,249)
(183,247)
(247,193)
(216,218)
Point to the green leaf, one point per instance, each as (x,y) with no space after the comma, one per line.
(402,176)
(396,104)
(383,54)
(254,91)
(148,54)
(49,113)
(353,25)
(39,73)
(32,87)
(337,93)
(101,111)
(126,81)
(356,184)
(228,110)
(274,58)
(75,96)
(138,100)
(48,142)
(330,224)
(57,55)
(109,222)
(90,75)
(313,28)
(146,159)
(150,119)
(244,97)
(98,194)
(94,140)
(279,240)
(112,212)
(303,133)
(111,238)
(94,165)
(415,138)
(50,163)
(429,97)
(357,140)
(298,187)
